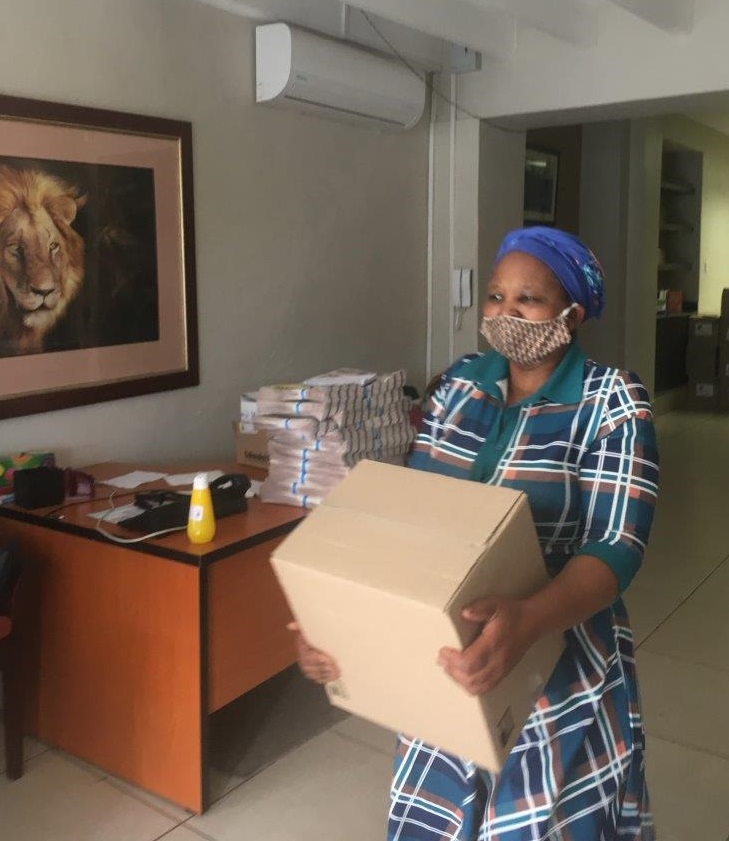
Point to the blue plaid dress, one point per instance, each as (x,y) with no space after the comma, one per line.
(583,449)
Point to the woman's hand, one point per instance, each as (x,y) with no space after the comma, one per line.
(503,641)
(315,664)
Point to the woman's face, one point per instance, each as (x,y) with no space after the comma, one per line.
(523,287)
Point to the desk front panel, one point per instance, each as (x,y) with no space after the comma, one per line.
(119,660)
(247,616)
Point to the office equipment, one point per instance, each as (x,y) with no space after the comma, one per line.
(165,509)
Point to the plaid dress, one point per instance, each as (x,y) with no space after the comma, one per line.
(583,449)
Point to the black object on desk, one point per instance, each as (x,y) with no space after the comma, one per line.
(170,509)
(38,487)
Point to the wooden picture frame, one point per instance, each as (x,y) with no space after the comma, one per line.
(97,256)
(541,170)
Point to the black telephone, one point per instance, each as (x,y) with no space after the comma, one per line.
(165,509)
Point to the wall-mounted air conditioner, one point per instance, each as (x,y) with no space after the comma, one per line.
(298,69)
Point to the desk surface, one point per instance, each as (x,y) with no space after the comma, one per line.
(261,522)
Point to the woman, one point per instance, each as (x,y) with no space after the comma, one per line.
(577,437)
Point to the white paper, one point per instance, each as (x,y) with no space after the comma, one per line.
(255,488)
(121,512)
(133,479)
(178,479)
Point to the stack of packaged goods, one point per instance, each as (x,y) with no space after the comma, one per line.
(321,428)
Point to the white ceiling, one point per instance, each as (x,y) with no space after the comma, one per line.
(489,26)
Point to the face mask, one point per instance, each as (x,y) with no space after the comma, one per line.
(528,343)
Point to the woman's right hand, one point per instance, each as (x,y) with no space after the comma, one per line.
(315,664)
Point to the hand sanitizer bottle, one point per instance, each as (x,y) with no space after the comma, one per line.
(201,520)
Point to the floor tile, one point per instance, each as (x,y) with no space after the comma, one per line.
(56,799)
(221,783)
(184,833)
(164,807)
(688,791)
(684,703)
(31,748)
(330,782)
(269,722)
(664,581)
(698,631)
(365,732)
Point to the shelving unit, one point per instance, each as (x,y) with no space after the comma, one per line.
(678,263)
(680,222)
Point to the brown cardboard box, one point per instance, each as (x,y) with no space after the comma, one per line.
(674,301)
(703,347)
(703,395)
(377,576)
(251,447)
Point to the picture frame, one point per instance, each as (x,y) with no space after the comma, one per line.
(541,170)
(97,256)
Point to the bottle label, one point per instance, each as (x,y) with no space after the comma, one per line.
(196,513)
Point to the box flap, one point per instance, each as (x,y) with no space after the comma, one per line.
(370,551)
(468,511)
(402,531)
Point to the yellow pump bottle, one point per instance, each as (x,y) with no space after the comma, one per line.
(201,520)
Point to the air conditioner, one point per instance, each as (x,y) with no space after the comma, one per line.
(299,69)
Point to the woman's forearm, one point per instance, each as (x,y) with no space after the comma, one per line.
(584,587)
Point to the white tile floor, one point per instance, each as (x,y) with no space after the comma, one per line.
(678,605)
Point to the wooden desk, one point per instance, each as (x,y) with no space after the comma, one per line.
(139,644)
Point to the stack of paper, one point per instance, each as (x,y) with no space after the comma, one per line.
(322,427)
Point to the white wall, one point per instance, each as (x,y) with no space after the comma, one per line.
(311,236)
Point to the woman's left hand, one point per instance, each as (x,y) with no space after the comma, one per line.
(503,641)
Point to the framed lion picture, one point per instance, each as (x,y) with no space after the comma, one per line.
(97,259)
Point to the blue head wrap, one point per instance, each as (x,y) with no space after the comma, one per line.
(569,259)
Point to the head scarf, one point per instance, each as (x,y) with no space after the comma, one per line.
(569,259)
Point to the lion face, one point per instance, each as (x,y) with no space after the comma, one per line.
(41,256)
(35,268)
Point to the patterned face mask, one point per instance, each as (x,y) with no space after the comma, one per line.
(528,343)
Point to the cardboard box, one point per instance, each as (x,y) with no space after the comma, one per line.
(674,301)
(377,576)
(21,461)
(702,354)
(250,447)
(703,395)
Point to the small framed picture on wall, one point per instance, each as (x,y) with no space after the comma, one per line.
(541,168)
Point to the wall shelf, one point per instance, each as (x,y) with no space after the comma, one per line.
(680,188)
(679,258)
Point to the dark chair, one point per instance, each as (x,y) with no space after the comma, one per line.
(11,662)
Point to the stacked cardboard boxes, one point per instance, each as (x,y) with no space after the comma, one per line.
(251,444)
(702,363)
